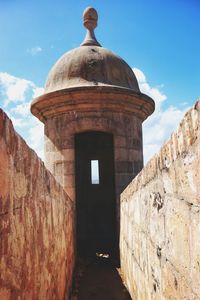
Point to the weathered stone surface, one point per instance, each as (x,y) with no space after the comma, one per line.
(36,224)
(60,152)
(160,220)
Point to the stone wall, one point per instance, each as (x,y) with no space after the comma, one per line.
(36,224)
(60,152)
(160,220)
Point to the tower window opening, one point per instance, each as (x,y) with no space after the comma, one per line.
(94,171)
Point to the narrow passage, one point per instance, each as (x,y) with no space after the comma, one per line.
(98,279)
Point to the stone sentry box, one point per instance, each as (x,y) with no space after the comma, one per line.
(91,89)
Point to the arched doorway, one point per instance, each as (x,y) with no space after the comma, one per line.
(95,193)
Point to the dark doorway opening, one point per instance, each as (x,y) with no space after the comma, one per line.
(95,194)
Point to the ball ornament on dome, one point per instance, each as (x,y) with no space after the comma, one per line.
(90,18)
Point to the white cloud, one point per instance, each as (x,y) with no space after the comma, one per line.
(16,94)
(13,88)
(35,50)
(140,75)
(37,91)
(36,137)
(160,125)
(17,122)
(22,109)
(145,88)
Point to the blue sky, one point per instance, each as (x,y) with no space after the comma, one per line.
(160,39)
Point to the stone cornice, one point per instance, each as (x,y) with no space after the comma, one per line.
(95,98)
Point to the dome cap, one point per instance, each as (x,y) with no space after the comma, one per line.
(90,64)
(91,78)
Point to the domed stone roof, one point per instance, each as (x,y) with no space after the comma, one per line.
(91,78)
(90,65)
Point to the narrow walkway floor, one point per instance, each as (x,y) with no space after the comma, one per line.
(98,279)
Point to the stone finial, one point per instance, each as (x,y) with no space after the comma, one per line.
(90,18)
